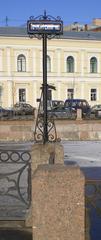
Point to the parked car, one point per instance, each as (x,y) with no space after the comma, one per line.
(57,104)
(78,104)
(61,113)
(5,112)
(23,109)
(52,104)
(96,110)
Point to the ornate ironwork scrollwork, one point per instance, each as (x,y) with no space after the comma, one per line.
(45,17)
(15,177)
(39,130)
(39,127)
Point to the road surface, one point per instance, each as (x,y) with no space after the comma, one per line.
(86,154)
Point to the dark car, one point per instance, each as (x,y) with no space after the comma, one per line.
(23,109)
(57,104)
(62,113)
(5,112)
(78,104)
(96,110)
(52,104)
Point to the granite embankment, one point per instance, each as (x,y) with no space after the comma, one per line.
(23,130)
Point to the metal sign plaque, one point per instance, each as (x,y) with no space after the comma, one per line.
(45,26)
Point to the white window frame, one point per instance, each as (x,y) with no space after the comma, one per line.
(75,62)
(94,66)
(21,63)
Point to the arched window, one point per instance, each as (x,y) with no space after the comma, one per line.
(70,64)
(93,65)
(21,63)
(48,64)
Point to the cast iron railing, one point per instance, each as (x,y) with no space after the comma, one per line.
(15,183)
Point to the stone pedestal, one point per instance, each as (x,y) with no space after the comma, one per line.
(43,154)
(79,114)
(58,211)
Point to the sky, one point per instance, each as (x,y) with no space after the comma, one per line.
(18,11)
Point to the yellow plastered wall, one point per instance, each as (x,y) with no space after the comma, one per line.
(58,49)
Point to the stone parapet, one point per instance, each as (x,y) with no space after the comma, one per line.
(58,211)
(66,130)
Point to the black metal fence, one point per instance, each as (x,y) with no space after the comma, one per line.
(15,189)
(15,183)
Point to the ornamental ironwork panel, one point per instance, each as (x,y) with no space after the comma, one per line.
(39,126)
(15,183)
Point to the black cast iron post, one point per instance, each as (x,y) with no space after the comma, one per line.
(45,90)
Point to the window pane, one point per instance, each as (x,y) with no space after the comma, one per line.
(93,94)
(19,66)
(21,63)
(70,64)
(22,95)
(93,65)
(70,93)
(49,94)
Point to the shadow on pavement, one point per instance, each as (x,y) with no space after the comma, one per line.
(12,234)
(94,173)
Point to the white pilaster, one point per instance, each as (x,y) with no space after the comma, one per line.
(10,93)
(34,63)
(34,94)
(1,60)
(82,63)
(8,62)
(82,90)
(58,62)
(59,90)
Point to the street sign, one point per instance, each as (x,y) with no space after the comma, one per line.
(45,26)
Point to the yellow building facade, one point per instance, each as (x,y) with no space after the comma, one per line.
(73,66)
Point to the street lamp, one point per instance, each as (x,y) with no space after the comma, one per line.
(44,26)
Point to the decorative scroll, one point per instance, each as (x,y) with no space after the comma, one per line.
(39,127)
(15,182)
(38,134)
